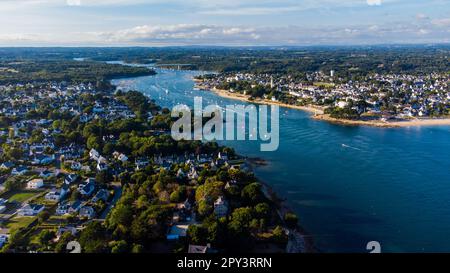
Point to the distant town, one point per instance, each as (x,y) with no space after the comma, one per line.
(376,97)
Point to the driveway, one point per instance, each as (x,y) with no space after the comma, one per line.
(117,195)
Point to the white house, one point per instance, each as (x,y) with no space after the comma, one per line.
(341,104)
(101,166)
(93,154)
(53,195)
(62,230)
(120,156)
(47,173)
(223,156)
(193,174)
(30,210)
(101,195)
(62,209)
(123,158)
(87,211)
(56,195)
(196,249)
(180,173)
(221,207)
(21,170)
(35,184)
(3,240)
(88,187)
(6,165)
(141,164)
(71,178)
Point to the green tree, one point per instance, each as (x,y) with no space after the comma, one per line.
(204,208)
(12,183)
(64,239)
(240,221)
(94,142)
(43,216)
(119,247)
(291,219)
(93,238)
(45,236)
(137,248)
(197,234)
(262,210)
(122,214)
(252,193)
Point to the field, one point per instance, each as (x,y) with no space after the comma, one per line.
(19,222)
(21,196)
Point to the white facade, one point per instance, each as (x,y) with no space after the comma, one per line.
(35,184)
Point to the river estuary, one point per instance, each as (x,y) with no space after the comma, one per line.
(348,185)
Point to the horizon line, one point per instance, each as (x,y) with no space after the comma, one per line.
(228,46)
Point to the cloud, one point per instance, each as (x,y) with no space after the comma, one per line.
(423,31)
(74,2)
(252,10)
(441,22)
(276,22)
(205,34)
(183,34)
(421,17)
(374,2)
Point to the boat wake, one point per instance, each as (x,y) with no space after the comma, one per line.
(350,147)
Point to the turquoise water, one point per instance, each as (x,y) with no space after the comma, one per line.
(349,185)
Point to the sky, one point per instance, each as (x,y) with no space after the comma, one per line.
(222,22)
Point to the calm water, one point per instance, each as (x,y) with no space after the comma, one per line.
(349,185)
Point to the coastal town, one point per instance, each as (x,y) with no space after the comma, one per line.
(375,99)
(88,158)
(99,167)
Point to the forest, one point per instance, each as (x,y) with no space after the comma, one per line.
(37,70)
(347,61)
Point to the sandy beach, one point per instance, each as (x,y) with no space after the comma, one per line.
(237,96)
(387,124)
(319,112)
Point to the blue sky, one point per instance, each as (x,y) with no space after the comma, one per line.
(222,22)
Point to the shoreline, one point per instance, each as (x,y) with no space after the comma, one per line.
(299,240)
(386,124)
(236,96)
(318,112)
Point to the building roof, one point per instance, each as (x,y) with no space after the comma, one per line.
(198,249)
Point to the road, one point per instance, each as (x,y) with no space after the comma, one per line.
(117,195)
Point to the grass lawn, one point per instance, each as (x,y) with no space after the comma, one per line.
(22,196)
(54,221)
(19,222)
